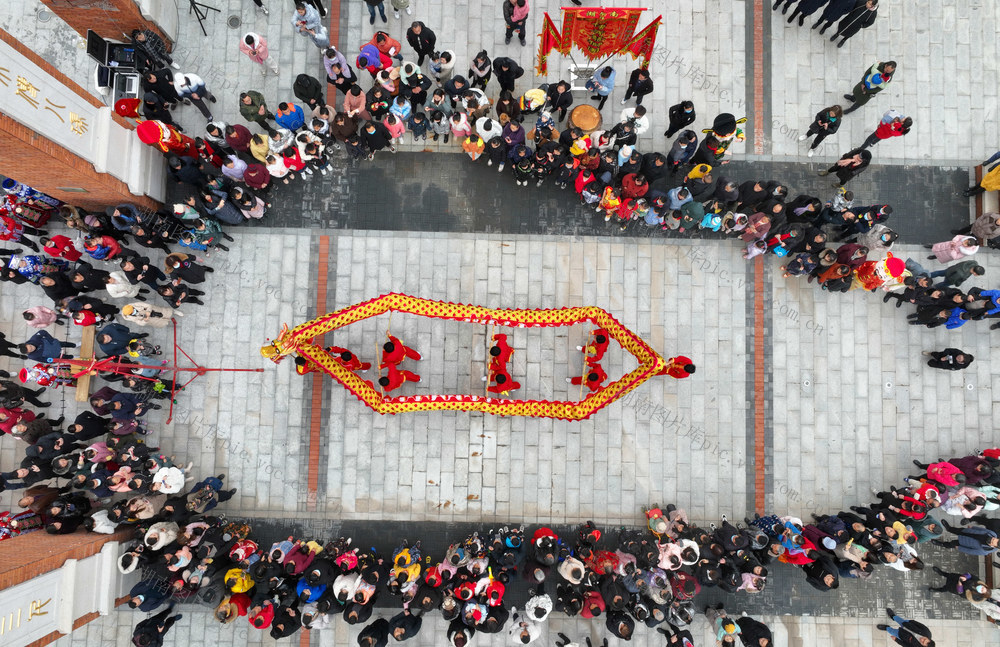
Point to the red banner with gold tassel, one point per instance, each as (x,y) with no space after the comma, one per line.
(598,33)
(643,42)
(549,40)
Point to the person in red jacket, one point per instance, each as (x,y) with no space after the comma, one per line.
(347,359)
(394,352)
(634,185)
(387,45)
(583,179)
(893,124)
(679,367)
(261,615)
(61,247)
(101,248)
(396,378)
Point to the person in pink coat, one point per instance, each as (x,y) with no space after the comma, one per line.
(396,128)
(255,47)
(951,250)
(460,126)
(42,317)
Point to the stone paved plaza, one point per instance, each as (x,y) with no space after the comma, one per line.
(847,401)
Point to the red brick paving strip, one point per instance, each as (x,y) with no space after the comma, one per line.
(759,381)
(316,406)
(758,77)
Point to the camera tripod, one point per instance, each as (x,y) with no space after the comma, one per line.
(201,10)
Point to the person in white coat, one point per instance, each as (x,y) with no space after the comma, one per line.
(539,606)
(143,314)
(169,480)
(523,631)
(118,287)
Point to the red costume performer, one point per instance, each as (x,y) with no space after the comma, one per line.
(598,345)
(679,367)
(166,138)
(395,378)
(595,375)
(45,375)
(500,352)
(347,359)
(502,382)
(304,365)
(62,247)
(394,352)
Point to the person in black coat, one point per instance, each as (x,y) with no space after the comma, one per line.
(680,115)
(87,426)
(185,171)
(676,637)
(57,286)
(507,71)
(804,9)
(834,11)
(826,123)
(754,633)
(910,632)
(850,165)
(559,97)
(639,84)
(154,107)
(421,39)
(13,395)
(949,359)
(860,17)
(114,338)
(655,166)
(9,273)
(184,267)
(138,269)
(286,622)
(620,624)
(310,91)
(86,278)
(9,349)
(376,137)
(162,83)
(98,307)
(623,134)
(460,635)
(150,632)
(455,87)
(151,51)
(404,625)
(375,635)
(415,90)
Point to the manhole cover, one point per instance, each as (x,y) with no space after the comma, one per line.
(43,15)
(234,21)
